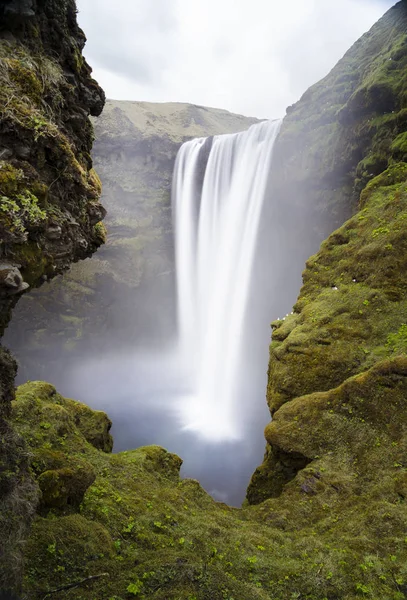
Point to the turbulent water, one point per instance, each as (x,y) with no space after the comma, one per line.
(219,187)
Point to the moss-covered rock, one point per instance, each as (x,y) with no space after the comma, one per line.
(48,202)
(337,529)
(48,194)
(353,297)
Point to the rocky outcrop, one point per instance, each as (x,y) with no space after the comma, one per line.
(351,311)
(49,193)
(126,291)
(49,202)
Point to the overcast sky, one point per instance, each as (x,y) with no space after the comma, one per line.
(253,57)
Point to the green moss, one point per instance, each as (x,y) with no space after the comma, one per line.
(25,79)
(397,342)
(160,537)
(399,146)
(64,488)
(94,425)
(101,232)
(395,174)
(10,179)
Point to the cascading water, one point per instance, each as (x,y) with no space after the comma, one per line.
(217,209)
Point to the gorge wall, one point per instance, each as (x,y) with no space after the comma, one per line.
(342,148)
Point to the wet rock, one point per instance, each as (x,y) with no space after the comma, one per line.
(5,153)
(11,280)
(94,98)
(23,152)
(96,212)
(54,232)
(82,244)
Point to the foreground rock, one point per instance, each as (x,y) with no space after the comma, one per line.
(337,530)
(49,202)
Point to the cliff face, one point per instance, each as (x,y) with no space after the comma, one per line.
(351,311)
(49,200)
(340,135)
(126,292)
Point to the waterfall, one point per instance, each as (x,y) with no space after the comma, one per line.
(218,191)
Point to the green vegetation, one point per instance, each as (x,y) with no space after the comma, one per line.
(129,516)
(44,182)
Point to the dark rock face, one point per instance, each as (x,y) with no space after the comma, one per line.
(49,195)
(49,209)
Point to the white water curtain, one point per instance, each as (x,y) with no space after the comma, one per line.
(217,211)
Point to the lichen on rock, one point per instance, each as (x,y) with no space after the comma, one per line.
(48,191)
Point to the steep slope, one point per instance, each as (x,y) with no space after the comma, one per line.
(333,141)
(352,304)
(126,292)
(49,202)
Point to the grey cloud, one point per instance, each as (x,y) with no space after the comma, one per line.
(253,57)
(131,37)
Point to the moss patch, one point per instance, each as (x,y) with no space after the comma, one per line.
(337,528)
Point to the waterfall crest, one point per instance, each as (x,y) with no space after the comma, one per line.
(218,191)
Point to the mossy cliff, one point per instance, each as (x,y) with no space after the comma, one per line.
(93,305)
(342,133)
(49,200)
(49,205)
(352,308)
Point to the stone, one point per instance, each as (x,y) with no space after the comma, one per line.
(54,232)
(11,280)
(96,212)
(5,153)
(23,152)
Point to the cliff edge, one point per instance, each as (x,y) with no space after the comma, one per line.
(50,213)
